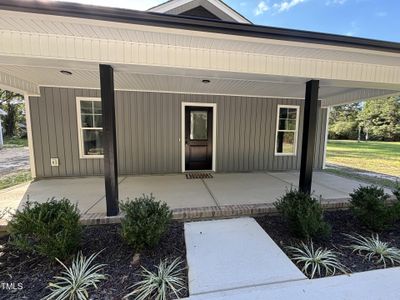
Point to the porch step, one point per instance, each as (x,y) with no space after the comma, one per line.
(232,254)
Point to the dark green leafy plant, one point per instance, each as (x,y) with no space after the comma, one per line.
(371,206)
(304,215)
(50,229)
(396,191)
(145,221)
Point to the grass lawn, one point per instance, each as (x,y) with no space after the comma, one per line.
(15,142)
(380,157)
(14,179)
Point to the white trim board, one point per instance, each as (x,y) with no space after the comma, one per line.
(296,131)
(214,137)
(29,135)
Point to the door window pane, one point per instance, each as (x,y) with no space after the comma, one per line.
(93,141)
(198,125)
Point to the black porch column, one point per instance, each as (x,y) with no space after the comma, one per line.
(109,139)
(309,133)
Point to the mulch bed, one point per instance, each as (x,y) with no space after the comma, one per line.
(35,272)
(342,221)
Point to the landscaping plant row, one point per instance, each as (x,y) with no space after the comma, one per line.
(304,217)
(52,230)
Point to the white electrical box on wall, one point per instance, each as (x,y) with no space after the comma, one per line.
(54,162)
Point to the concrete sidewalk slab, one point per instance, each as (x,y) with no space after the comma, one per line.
(232,254)
(176,190)
(246,188)
(91,189)
(372,285)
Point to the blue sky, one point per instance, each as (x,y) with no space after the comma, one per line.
(376,19)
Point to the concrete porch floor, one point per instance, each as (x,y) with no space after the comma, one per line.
(225,189)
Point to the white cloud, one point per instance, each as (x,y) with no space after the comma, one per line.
(286,5)
(261,8)
(335,2)
(130,4)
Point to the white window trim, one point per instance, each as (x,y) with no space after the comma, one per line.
(214,138)
(82,154)
(296,132)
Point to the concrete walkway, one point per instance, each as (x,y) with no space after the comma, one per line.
(233,254)
(372,285)
(235,259)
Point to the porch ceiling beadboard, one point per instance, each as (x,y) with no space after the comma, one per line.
(245,133)
(36,45)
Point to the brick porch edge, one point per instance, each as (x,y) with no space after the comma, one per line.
(215,212)
(203,213)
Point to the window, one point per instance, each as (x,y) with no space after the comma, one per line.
(286,132)
(90,124)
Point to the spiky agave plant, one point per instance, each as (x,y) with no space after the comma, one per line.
(372,248)
(160,285)
(316,261)
(76,279)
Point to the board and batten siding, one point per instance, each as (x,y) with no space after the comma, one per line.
(149,133)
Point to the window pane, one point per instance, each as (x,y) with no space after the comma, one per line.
(98,121)
(86,107)
(198,125)
(93,142)
(97,107)
(87,120)
(283,113)
(285,142)
(292,113)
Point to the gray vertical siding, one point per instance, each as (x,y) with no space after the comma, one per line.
(149,132)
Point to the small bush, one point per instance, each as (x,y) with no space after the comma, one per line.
(50,229)
(166,283)
(304,215)
(145,221)
(317,261)
(372,248)
(396,191)
(75,281)
(370,205)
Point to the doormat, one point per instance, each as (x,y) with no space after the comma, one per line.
(199,176)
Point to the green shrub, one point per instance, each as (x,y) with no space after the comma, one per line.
(145,221)
(50,229)
(371,206)
(396,191)
(304,215)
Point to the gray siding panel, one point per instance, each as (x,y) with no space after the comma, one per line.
(149,133)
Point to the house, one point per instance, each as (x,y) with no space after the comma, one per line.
(189,85)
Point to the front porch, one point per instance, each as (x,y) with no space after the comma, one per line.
(224,195)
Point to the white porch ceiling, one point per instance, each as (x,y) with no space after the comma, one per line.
(35,48)
(181,81)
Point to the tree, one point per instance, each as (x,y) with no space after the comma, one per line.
(381,119)
(343,121)
(13,105)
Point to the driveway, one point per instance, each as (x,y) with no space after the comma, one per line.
(13,160)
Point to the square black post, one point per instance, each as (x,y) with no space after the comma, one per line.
(309,134)
(109,139)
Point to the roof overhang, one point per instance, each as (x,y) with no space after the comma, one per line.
(154,52)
